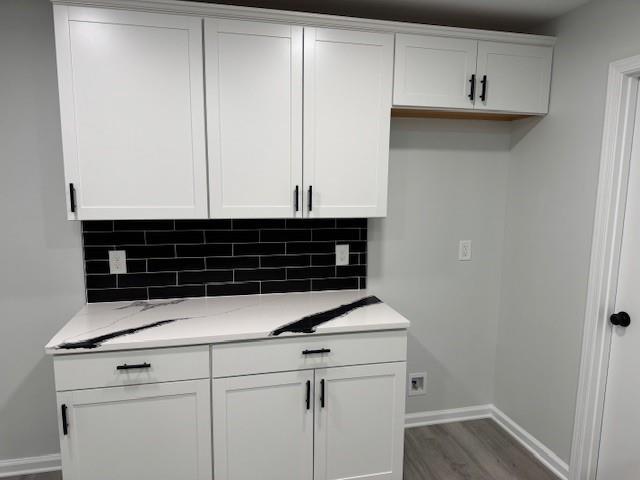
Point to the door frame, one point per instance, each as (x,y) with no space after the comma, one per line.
(617,139)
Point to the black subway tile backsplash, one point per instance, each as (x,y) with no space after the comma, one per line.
(194,258)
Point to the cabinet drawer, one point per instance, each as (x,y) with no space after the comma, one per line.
(112,369)
(299,353)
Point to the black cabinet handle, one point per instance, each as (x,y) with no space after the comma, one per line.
(620,319)
(483,82)
(308,394)
(322,393)
(472,93)
(314,352)
(72,197)
(65,423)
(310,198)
(132,367)
(297,198)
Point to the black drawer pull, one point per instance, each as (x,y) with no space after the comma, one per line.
(308,394)
(133,367)
(314,352)
(322,393)
(65,422)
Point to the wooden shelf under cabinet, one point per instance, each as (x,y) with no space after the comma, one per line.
(458,115)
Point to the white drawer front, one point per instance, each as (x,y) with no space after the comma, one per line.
(112,369)
(283,354)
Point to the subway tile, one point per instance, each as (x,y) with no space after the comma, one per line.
(113,238)
(146,279)
(183,291)
(116,295)
(207,276)
(323,259)
(175,264)
(232,236)
(363,258)
(285,261)
(351,271)
(311,223)
(96,266)
(149,251)
(221,263)
(97,226)
(363,234)
(260,274)
(208,250)
(356,247)
(310,272)
(213,224)
(143,225)
(225,289)
(96,253)
(334,284)
(351,223)
(354,258)
(326,234)
(258,223)
(363,283)
(175,237)
(101,281)
(289,235)
(259,248)
(286,286)
(310,247)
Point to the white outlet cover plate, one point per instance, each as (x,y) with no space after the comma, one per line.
(422,391)
(342,254)
(117,261)
(464,250)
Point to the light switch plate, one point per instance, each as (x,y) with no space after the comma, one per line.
(342,254)
(464,250)
(117,261)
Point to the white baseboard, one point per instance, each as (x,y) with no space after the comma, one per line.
(422,419)
(528,441)
(30,465)
(552,461)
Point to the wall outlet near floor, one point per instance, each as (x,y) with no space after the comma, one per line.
(342,254)
(117,261)
(417,384)
(464,250)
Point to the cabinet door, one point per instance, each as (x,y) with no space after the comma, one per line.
(263,426)
(434,71)
(518,77)
(160,431)
(360,422)
(132,113)
(347,101)
(254,118)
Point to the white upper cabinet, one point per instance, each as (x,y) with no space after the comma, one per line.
(434,71)
(347,101)
(254,118)
(132,113)
(514,77)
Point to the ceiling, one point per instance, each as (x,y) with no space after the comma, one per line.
(511,15)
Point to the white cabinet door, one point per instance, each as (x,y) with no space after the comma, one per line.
(347,101)
(160,431)
(360,422)
(263,426)
(434,72)
(254,118)
(132,113)
(513,77)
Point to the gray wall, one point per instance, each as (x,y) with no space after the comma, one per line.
(551,202)
(41,280)
(447,183)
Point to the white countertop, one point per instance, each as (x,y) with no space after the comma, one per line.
(194,321)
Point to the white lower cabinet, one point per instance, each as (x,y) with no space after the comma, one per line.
(325,424)
(159,431)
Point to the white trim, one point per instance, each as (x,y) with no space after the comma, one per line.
(312,19)
(30,465)
(544,454)
(436,417)
(605,256)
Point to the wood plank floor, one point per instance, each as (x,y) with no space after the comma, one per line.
(473,450)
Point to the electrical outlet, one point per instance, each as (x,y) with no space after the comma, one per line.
(464,250)
(117,261)
(342,254)
(417,384)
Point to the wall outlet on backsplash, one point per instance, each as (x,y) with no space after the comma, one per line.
(342,254)
(117,261)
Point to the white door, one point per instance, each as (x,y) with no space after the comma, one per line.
(347,102)
(513,78)
(434,72)
(132,113)
(620,441)
(159,431)
(263,426)
(360,422)
(254,118)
